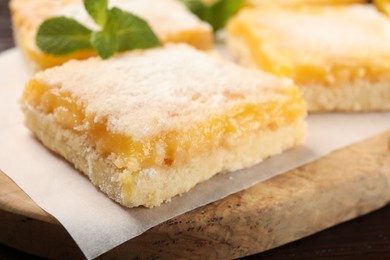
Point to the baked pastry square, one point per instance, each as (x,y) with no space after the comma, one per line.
(338,56)
(148,125)
(169,19)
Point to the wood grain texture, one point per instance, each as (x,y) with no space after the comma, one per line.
(366,237)
(343,185)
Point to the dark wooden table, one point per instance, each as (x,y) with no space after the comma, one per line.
(366,237)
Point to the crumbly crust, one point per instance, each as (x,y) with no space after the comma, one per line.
(153,186)
(359,96)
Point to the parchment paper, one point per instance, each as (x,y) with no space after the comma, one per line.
(95,222)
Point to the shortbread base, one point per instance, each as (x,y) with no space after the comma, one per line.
(358,96)
(153,186)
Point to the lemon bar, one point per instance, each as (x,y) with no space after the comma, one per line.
(148,125)
(170,20)
(301,2)
(338,56)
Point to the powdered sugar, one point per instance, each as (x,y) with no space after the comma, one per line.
(143,93)
(321,35)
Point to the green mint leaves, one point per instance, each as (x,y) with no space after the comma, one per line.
(216,14)
(132,31)
(62,36)
(120,31)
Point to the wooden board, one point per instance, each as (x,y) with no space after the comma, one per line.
(343,185)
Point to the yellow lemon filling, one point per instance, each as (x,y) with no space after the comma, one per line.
(171,147)
(309,61)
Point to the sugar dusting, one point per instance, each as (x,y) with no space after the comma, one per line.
(143,93)
(322,34)
(150,172)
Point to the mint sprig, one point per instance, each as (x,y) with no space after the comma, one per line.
(52,38)
(132,31)
(120,31)
(216,14)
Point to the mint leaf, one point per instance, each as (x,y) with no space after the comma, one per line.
(132,31)
(97,9)
(216,14)
(62,36)
(121,31)
(105,43)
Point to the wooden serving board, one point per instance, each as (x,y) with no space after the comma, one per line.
(343,185)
